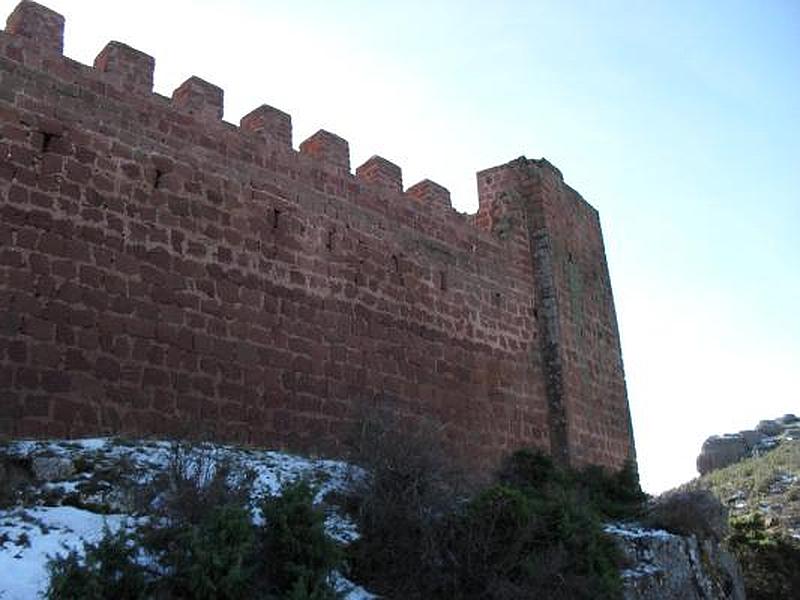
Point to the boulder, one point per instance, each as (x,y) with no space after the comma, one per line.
(662,565)
(720,451)
(52,468)
(792,433)
(769,427)
(752,438)
(788,419)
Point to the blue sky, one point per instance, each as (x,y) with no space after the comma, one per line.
(679,121)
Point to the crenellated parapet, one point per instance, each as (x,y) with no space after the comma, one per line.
(37,34)
(269,124)
(161,267)
(39,24)
(126,68)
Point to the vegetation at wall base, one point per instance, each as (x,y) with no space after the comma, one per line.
(535,532)
(107,569)
(300,556)
(200,542)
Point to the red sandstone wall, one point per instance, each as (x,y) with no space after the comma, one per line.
(164,271)
(589,419)
(594,385)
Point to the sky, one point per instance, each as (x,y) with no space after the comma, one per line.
(679,121)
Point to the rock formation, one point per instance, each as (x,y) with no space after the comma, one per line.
(718,452)
(666,566)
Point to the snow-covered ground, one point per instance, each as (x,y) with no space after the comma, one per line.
(46,527)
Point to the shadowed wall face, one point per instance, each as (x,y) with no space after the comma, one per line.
(162,271)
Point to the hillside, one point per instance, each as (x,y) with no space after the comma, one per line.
(762,496)
(768,484)
(404,527)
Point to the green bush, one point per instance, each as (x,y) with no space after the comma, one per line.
(770,561)
(207,547)
(612,495)
(535,534)
(297,555)
(213,559)
(549,541)
(107,569)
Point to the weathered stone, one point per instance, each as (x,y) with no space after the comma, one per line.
(769,427)
(787,419)
(721,451)
(664,566)
(792,433)
(52,468)
(752,437)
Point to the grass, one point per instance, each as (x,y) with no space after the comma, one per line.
(756,483)
(763,497)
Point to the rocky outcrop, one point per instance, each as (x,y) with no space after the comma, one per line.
(663,566)
(718,451)
(721,451)
(769,427)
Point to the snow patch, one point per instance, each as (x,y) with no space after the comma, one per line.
(36,534)
(634,531)
(28,537)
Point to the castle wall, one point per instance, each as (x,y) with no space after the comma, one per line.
(578,339)
(165,272)
(570,243)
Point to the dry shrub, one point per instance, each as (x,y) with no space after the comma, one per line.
(16,478)
(197,481)
(690,512)
(425,534)
(410,489)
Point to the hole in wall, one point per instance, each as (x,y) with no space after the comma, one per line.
(442,281)
(497,297)
(157,179)
(358,279)
(396,272)
(276,215)
(329,241)
(47,140)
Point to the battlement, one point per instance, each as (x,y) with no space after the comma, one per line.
(119,70)
(162,267)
